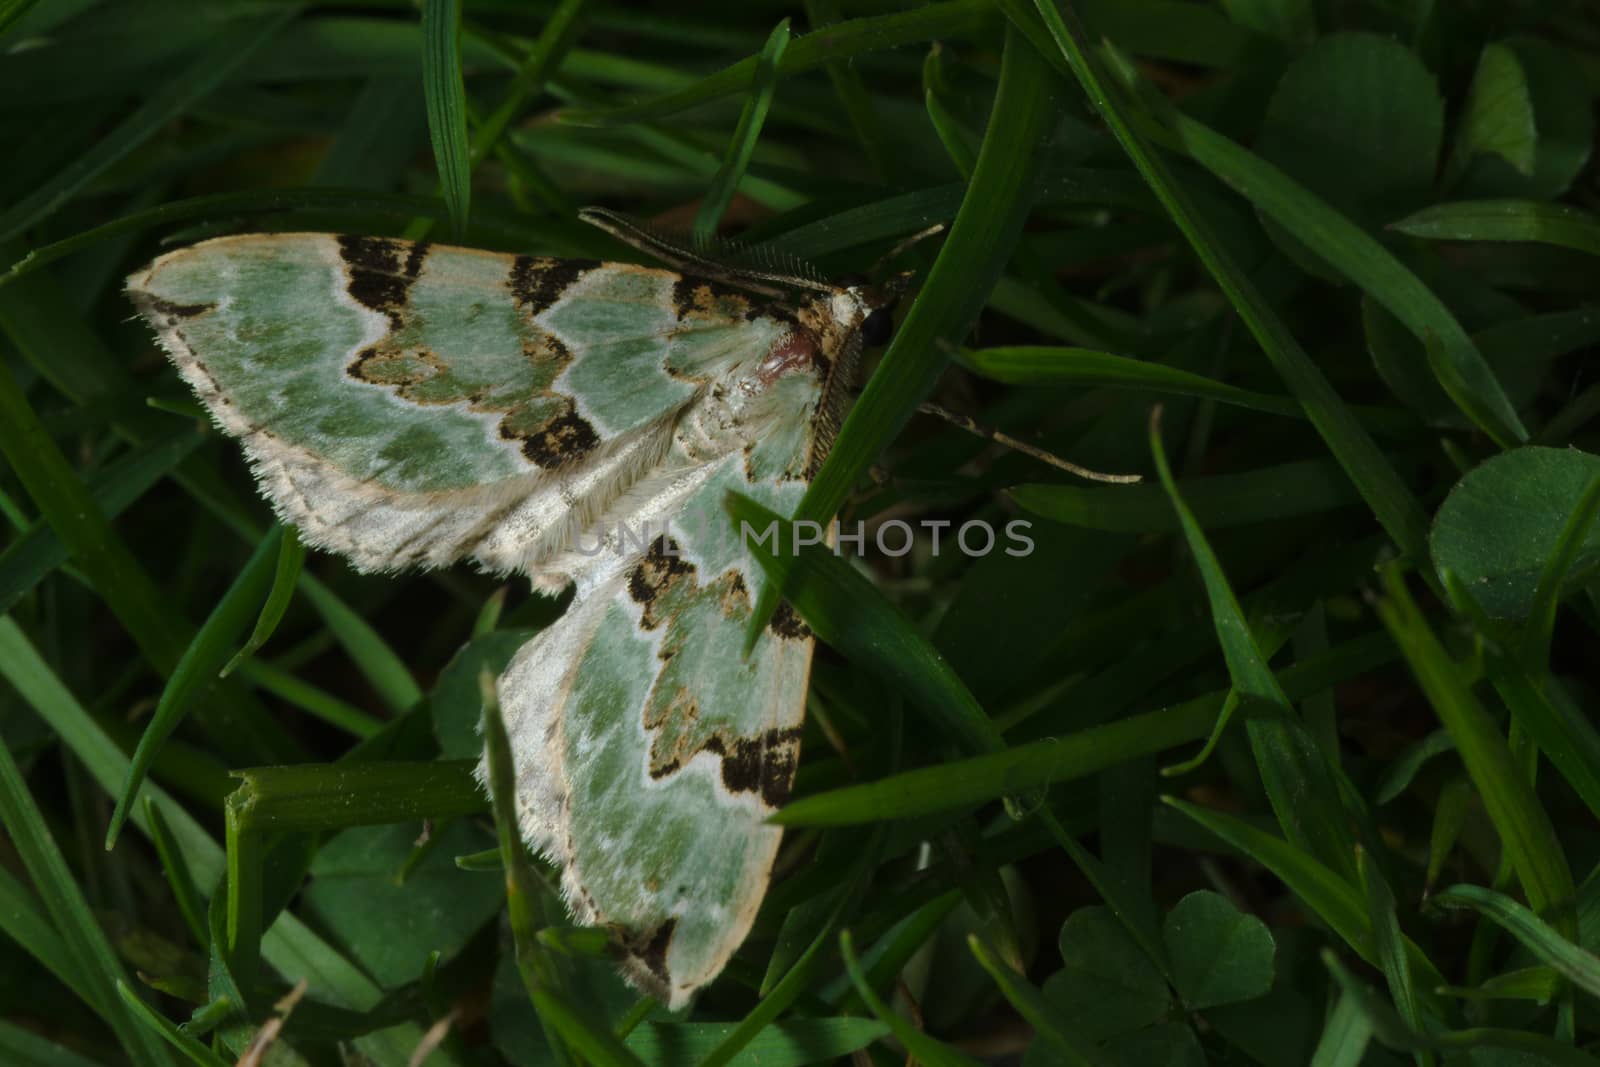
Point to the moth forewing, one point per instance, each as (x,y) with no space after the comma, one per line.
(580,422)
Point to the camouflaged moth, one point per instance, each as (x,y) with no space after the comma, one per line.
(413,405)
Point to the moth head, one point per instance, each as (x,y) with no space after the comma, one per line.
(876,302)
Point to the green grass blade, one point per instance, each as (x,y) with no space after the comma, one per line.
(1524,827)
(1345,1038)
(1361,259)
(1537,936)
(34,554)
(927,1050)
(291,556)
(524,887)
(1390,943)
(191,905)
(189,1047)
(11,11)
(1036,1011)
(847,612)
(595,1045)
(1391,501)
(1308,487)
(167,101)
(1040,365)
(23,920)
(1300,784)
(65,502)
(1334,900)
(1561,225)
(1392,1031)
(835,43)
(446,95)
(94,960)
(1547,594)
(981,239)
(195,670)
(764,83)
(24,1048)
(969,782)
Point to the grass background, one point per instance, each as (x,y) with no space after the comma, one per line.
(1285,756)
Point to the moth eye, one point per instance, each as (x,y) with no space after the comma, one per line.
(877,328)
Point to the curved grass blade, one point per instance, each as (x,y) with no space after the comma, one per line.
(1523,825)
(1506,220)
(191,905)
(1036,1011)
(1389,1029)
(94,961)
(1536,935)
(1391,501)
(197,668)
(751,118)
(1040,365)
(847,612)
(969,782)
(1330,897)
(1547,594)
(981,239)
(523,885)
(190,1047)
(593,1044)
(1219,501)
(927,1050)
(291,556)
(446,95)
(835,43)
(166,102)
(1300,784)
(1390,944)
(11,11)
(38,551)
(852,93)
(1360,258)
(952,134)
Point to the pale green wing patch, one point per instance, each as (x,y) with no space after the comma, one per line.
(407,404)
(649,753)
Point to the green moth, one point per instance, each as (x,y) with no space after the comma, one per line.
(580,422)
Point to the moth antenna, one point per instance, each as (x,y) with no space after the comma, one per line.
(900,249)
(701,261)
(989,433)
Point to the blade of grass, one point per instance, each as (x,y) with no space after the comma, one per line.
(969,782)
(1301,786)
(981,239)
(198,667)
(1393,1032)
(1391,501)
(1506,220)
(1036,1011)
(927,1050)
(291,556)
(1390,944)
(191,1048)
(169,100)
(38,551)
(1331,898)
(847,612)
(94,960)
(446,95)
(1524,827)
(1537,936)
(836,43)
(524,887)
(1535,643)
(763,84)
(185,893)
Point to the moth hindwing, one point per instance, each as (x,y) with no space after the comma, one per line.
(579,422)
